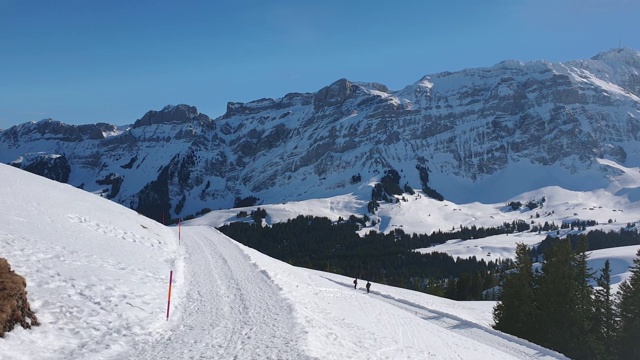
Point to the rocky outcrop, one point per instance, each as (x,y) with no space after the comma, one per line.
(49,129)
(52,166)
(96,131)
(334,94)
(113,180)
(267,104)
(179,114)
(14,306)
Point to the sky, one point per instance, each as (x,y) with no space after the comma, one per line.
(84,62)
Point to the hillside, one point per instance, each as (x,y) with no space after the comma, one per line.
(97,276)
(422,215)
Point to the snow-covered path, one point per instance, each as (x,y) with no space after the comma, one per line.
(505,343)
(229,309)
(389,322)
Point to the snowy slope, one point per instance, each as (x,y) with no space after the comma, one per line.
(613,209)
(619,202)
(97,277)
(96,272)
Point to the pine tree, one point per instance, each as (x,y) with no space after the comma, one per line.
(629,308)
(552,297)
(605,317)
(514,311)
(583,347)
(564,302)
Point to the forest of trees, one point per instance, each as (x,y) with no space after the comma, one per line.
(318,243)
(558,309)
(594,239)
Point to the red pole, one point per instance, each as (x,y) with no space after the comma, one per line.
(169,298)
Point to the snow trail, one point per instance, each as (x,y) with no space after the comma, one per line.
(343,323)
(511,345)
(228,308)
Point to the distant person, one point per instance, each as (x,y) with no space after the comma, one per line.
(355,283)
(368,286)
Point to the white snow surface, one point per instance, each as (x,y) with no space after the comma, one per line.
(98,274)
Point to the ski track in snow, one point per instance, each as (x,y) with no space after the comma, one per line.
(230,309)
(344,323)
(511,345)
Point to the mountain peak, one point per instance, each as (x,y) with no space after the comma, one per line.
(334,94)
(626,56)
(171,114)
(373,86)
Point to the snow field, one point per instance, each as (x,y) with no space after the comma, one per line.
(97,277)
(96,281)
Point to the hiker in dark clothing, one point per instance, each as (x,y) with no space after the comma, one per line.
(355,283)
(368,286)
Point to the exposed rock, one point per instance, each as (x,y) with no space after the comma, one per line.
(267,104)
(334,94)
(115,181)
(172,115)
(96,132)
(52,166)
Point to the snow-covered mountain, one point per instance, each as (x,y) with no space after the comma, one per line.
(465,134)
(98,273)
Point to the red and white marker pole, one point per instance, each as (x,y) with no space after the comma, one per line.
(169,297)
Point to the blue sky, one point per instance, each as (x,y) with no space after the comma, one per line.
(90,61)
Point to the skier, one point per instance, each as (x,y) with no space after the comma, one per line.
(368,286)
(355,283)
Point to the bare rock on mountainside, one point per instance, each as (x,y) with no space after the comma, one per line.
(172,114)
(52,166)
(14,307)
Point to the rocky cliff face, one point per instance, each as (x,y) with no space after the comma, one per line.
(52,166)
(471,132)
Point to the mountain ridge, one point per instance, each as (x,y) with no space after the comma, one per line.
(469,131)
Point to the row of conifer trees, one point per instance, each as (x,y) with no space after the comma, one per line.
(557,307)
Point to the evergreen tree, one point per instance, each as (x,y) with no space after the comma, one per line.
(564,302)
(629,308)
(605,318)
(514,312)
(584,346)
